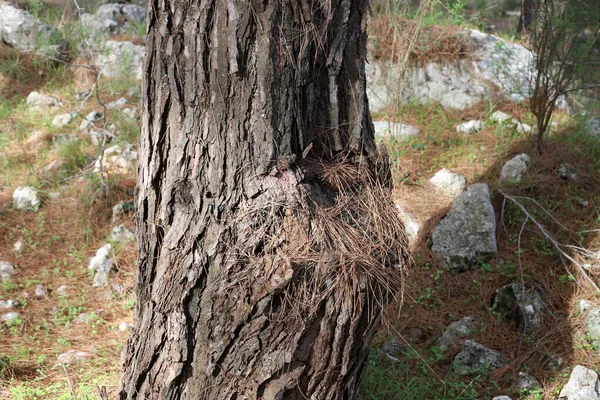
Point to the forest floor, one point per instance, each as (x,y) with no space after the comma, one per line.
(75,220)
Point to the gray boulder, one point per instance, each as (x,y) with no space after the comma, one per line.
(456,332)
(121,59)
(102,264)
(467,235)
(19,29)
(449,182)
(113,19)
(394,130)
(583,385)
(26,198)
(514,169)
(526,306)
(475,359)
(7,271)
(39,100)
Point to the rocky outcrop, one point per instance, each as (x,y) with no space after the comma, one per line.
(118,59)
(583,385)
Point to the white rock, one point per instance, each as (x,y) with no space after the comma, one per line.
(73,356)
(102,263)
(9,304)
(449,182)
(7,271)
(412,226)
(121,59)
(26,198)
(18,246)
(472,126)
(38,100)
(11,317)
(113,19)
(500,117)
(117,159)
(129,112)
(528,382)
(457,331)
(501,398)
(89,120)
(120,234)
(395,130)
(117,104)
(41,292)
(63,119)
(583,385)
(514,169)
(62,290)
(124,326)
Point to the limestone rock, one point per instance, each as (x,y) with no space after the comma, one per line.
(528,383)
(567,172)
(9,304)
(501,398)
(472,126)
(18,246)
(412,226)
(456,332)
(10,317)
(90,120)
(514,169)
(63,119)
(19,29)
(120,234)
(583,385)
(102,264)
(113,19)
(525,306)
(467,235)
(26,198)
(449,182)
(39,100)
(591,316)
(7,271)
(475,358)
(394,130)
(62,290)
(73,357)
(41,292)
(121,59)
(119,210)
(118,159)
(500,117)
(118,104)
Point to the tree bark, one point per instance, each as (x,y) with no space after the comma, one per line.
(261,272)
(526,17)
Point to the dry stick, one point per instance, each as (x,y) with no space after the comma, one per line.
(549,237)
(69,381)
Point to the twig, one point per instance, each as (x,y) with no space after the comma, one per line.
(69,381)
(550,238)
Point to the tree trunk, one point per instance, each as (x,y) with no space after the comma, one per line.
(267,238)
(526,17)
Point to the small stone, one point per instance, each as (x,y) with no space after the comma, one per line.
(477,359)
(456,332)
(394,130)
(449,182)
(98,136)
(567,172)
(130,113)
(501,398)
(500,117)
(11,317)
(524,305)
(102,264)
(393,350)
(120,234)
(53,166)
(63,119)
(41,292)
(514,169)
(9,304)
(26,198)
(583,385)
(120,209)
(527,383)
(118,288)
(7,271)
(124,326)
(412,226)
(38,100)
(53,195)
(117,159)
(18,246)
(62,290)
(73,357)
(117,104)
(62,139)
(472,126)
(89,120)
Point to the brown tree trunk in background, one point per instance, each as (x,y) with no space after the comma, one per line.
(526,18)
(267,238)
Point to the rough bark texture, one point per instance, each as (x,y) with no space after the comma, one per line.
(237,97)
